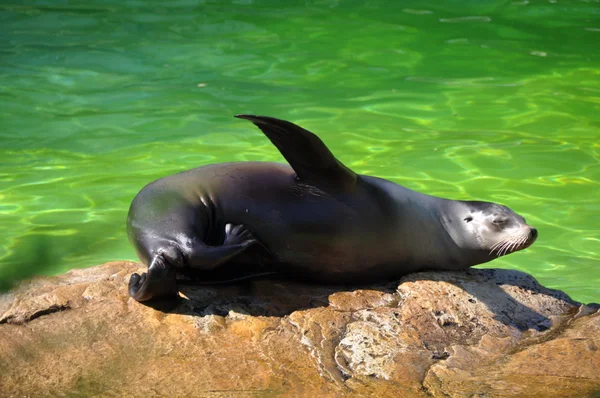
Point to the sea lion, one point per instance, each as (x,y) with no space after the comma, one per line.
(314,218)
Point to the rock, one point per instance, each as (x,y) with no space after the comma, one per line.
(479,332)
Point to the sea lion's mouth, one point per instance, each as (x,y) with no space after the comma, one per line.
(518,240)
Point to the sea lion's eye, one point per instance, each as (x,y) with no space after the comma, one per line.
(499,221)
(468,219)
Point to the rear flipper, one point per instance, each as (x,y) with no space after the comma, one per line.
(160,280)
(237,240)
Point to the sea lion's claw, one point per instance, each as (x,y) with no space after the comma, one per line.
(249,242)
(236,235)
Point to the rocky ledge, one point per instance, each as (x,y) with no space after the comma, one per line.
(480,332)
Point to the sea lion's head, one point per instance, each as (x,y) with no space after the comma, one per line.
(489,227)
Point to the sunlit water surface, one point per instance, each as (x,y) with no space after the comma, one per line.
(495,100)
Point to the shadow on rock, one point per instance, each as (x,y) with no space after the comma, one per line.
(270,296)
(514,298)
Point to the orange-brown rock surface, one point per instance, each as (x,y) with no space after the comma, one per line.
(482,333)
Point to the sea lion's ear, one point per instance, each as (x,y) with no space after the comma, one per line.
(312,161)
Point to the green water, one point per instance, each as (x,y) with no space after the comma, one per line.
(488,100)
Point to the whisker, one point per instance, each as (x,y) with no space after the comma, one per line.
(495,246)
(512,246)
(518,242)
(500,245)
(509,243)
(503,248)
(506,248)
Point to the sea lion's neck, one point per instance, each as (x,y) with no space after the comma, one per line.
(419,223)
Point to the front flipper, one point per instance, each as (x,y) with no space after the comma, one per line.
(312,161)
(158,282)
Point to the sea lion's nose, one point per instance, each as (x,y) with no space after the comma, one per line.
(533,233)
